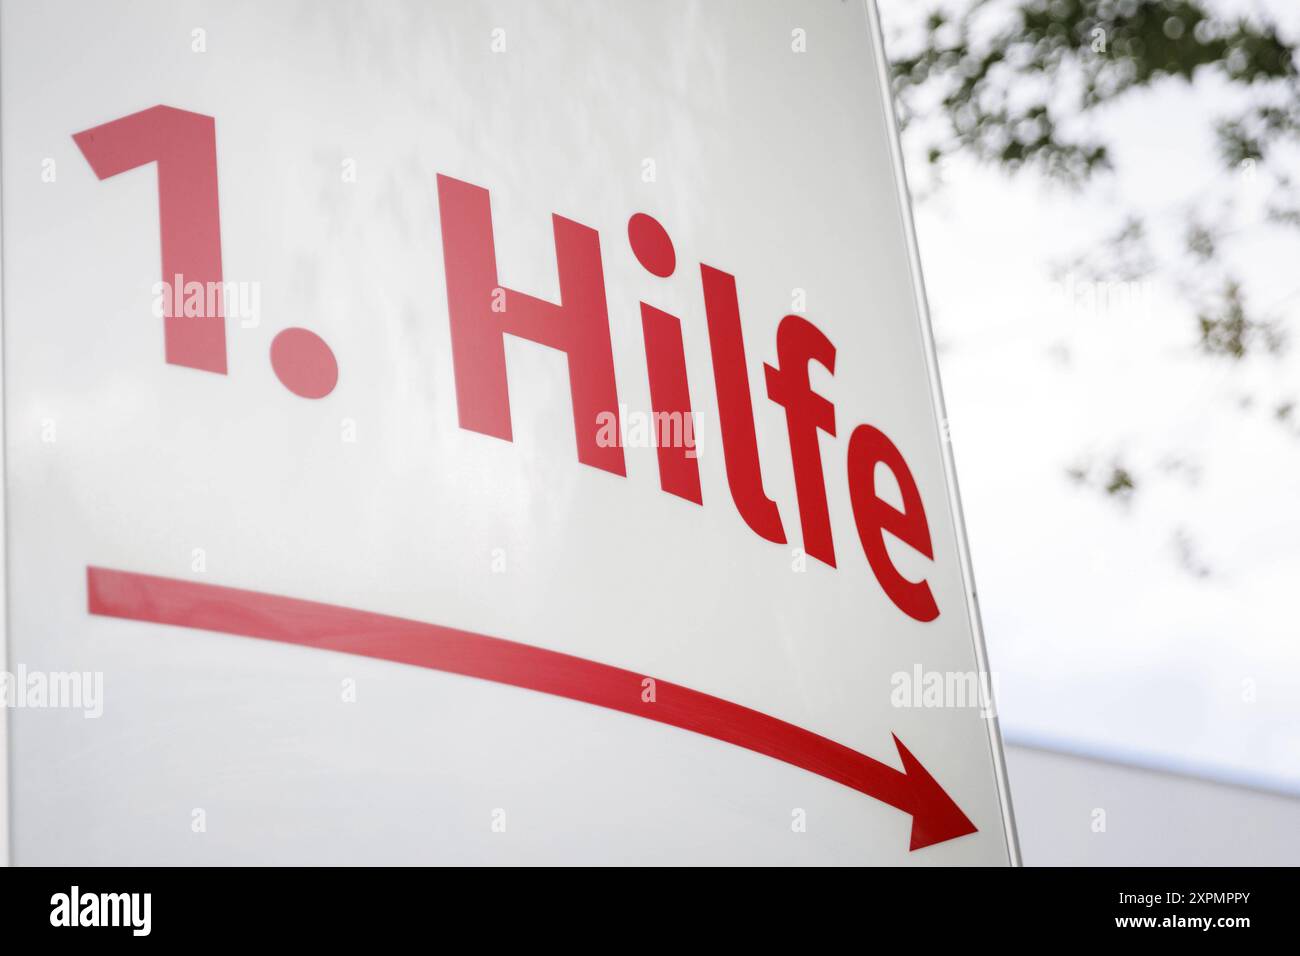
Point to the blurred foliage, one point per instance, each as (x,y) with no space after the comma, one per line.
(1226,329)
(1104,49)
(1015,81)
(1022,85)
(1113,478)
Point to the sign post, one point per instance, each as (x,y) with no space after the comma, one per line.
(477,434)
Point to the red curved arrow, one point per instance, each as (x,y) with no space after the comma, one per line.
(142,597)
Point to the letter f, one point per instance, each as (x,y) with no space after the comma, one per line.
(798,342)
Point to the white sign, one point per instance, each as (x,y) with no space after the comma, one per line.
(449,433)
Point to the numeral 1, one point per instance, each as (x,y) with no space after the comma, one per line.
(184,145)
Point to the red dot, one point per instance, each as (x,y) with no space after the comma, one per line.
(650,242)
(304,363)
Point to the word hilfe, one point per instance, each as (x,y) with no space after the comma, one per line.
(482,313)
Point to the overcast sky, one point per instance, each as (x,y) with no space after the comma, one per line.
(1162,631)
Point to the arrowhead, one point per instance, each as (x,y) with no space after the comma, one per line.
(935,818)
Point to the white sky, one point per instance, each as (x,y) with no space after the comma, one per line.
(1102,639)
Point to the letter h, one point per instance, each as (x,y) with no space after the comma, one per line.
(482,314)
